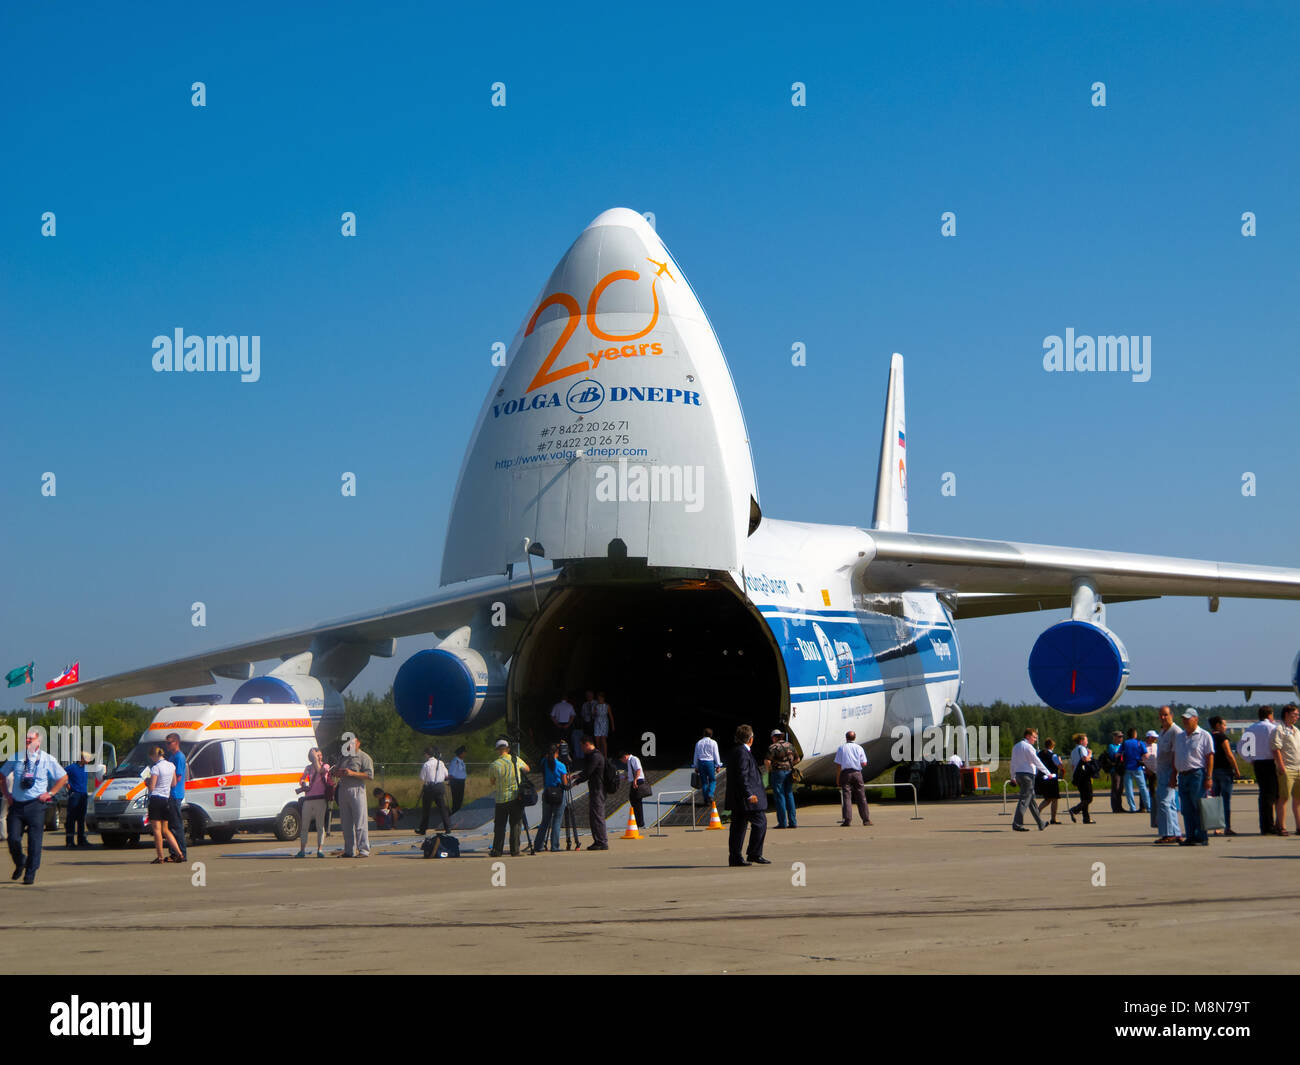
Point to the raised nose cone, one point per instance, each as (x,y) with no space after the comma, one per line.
(614,426)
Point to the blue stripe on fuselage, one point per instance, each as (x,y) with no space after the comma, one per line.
(851,653)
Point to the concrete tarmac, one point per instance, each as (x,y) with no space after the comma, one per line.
(956,892)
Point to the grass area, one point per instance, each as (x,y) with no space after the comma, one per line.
(404,783)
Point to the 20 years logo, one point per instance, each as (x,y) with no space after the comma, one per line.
(546,375)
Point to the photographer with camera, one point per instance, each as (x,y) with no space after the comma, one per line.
(38,777)
(316,791)
(555,798)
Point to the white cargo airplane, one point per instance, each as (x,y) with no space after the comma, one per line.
(612,444)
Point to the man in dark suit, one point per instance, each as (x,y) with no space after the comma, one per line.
(593,772)
(747,801)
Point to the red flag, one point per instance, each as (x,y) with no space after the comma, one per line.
(68,676)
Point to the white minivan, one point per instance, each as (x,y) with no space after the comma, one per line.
(244,762)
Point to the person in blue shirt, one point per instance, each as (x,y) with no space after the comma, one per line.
(1133,751)
(75,819)
(37,779)
(555,795)
(177,796)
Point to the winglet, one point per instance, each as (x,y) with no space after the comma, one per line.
(891,477)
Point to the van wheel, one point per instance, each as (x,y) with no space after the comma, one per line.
(131,839)
(286,825)
(194,828)
(221,835)
(112,840)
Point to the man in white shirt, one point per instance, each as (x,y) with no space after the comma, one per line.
(1257,747)
(1194,762)
(1024,765)
(851,759)
(1285,745)
(456,777)
(433,775)
(633,772)
(37,778)
(1165,799)
(562,715)
(707,762)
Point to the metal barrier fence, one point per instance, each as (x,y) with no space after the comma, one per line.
(659,814)
(916,809)
(1065,794)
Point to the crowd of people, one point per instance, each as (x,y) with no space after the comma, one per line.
(1168,773)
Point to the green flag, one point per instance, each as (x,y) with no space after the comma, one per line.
(21,675)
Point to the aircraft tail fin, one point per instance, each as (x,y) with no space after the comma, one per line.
(891,477)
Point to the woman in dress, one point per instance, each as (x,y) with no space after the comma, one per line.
(602,723)
(1050,790)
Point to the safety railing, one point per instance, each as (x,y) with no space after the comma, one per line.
(1065,794)
(659,813)
(916,809)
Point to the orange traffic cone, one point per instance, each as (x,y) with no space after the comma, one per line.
(714,820)
(631,832)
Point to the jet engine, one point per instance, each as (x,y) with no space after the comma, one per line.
(1078,667)
(291,684)
(450,687)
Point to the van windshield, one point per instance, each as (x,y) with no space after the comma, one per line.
(137,762)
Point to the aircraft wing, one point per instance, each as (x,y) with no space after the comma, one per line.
(994,573)
(364,634)
(1245,689)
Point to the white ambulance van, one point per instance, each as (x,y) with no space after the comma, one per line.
(244,762)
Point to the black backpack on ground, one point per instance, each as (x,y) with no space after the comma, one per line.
(441,846)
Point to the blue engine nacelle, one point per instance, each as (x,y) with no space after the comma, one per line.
(1077,667)
(1295,675)
(448,689)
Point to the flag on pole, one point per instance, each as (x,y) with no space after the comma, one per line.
(21,675)
(68,676)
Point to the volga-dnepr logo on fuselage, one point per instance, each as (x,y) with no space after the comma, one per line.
(585,396)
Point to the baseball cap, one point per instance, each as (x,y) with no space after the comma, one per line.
(1191,711)
(1152,734)
(503,743)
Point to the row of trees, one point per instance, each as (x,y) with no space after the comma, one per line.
(123,722)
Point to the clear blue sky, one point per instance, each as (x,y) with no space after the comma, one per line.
(816,224)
